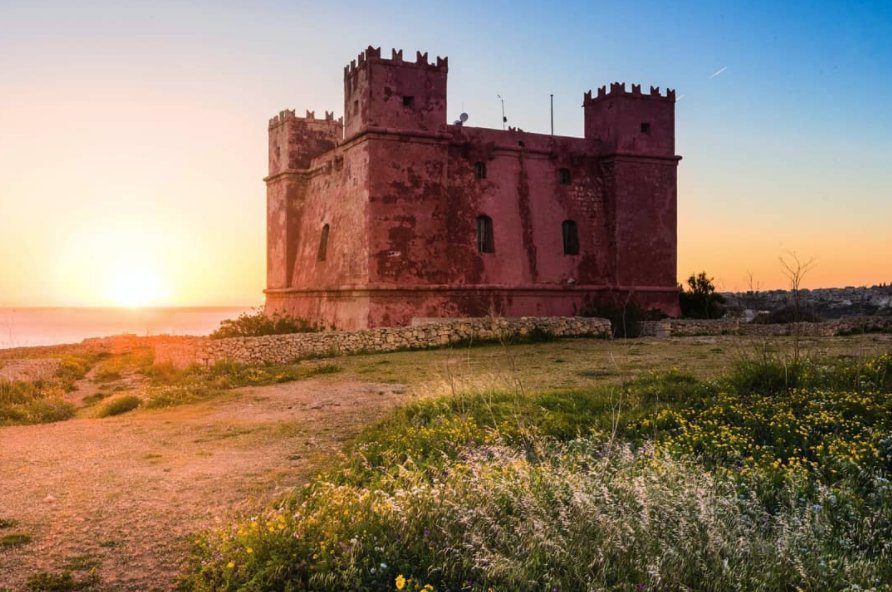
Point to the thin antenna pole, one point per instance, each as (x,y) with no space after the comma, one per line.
(503,111)
(552,113)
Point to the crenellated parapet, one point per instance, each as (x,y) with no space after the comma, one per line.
(618,89)
(373,54)
(288,115)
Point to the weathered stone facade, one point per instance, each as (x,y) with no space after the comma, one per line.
(390,213)
(281,349)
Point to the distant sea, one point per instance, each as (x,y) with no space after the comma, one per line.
(20,327)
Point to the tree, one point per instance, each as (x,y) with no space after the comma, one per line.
(795,269)
(700,300)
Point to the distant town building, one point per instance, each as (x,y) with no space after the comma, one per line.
(390,213)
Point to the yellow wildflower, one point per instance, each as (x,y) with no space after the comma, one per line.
(400,582)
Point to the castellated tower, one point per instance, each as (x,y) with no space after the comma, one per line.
(636,137)
(293,144)
(394,94)
(391,214)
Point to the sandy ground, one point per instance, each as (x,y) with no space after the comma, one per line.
(125,493)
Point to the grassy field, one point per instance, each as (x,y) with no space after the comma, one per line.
(700,464)
(43,400)
(116,384)
(709,463)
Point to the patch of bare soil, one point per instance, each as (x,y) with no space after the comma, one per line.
(125,494)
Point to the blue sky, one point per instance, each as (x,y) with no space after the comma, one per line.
(157,110)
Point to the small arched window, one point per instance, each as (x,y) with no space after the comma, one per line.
(564,175)
(485,242)
(571,238)
(323,244)
(480,170)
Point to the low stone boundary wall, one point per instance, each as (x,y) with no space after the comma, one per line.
(693,327)
(281,349)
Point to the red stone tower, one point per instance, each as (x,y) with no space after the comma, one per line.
(636,135)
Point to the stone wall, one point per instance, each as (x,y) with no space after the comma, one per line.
(692,327)
(280,349)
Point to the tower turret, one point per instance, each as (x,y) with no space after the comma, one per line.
(295,141)
(394,94)
(631,122)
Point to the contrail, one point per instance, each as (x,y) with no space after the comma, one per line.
(719,71)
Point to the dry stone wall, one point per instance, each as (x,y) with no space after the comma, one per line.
(281,349)
(692,327)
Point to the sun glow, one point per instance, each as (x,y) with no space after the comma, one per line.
(136,288)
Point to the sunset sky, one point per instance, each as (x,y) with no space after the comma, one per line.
(133,134)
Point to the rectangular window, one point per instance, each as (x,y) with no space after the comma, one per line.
(645,127)
(485,242)
(323,244)
(408,101)
(571,238)
(565,176)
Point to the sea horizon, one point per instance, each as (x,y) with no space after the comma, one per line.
(32,326)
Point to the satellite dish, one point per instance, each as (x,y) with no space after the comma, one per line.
(463,117)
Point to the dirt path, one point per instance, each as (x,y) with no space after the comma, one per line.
(124,494)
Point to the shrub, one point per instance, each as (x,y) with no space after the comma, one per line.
(700,300)
(788,314)
(31,403)
(258,323)
(42,401)
(119,405)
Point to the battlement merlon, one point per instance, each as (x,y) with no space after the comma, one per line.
(618,89)
(288,115)
(373,55)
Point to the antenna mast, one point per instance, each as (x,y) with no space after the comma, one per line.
(504,119)
(552,113)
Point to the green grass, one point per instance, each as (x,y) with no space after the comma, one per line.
(170,386)
(32,402)
(662,482)
(7,523)
(95,398)
(82,563)
(106,375)
(16,539)
(119,405)
(42,401)
(62,582)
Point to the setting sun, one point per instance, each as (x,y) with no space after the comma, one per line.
(136,288)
